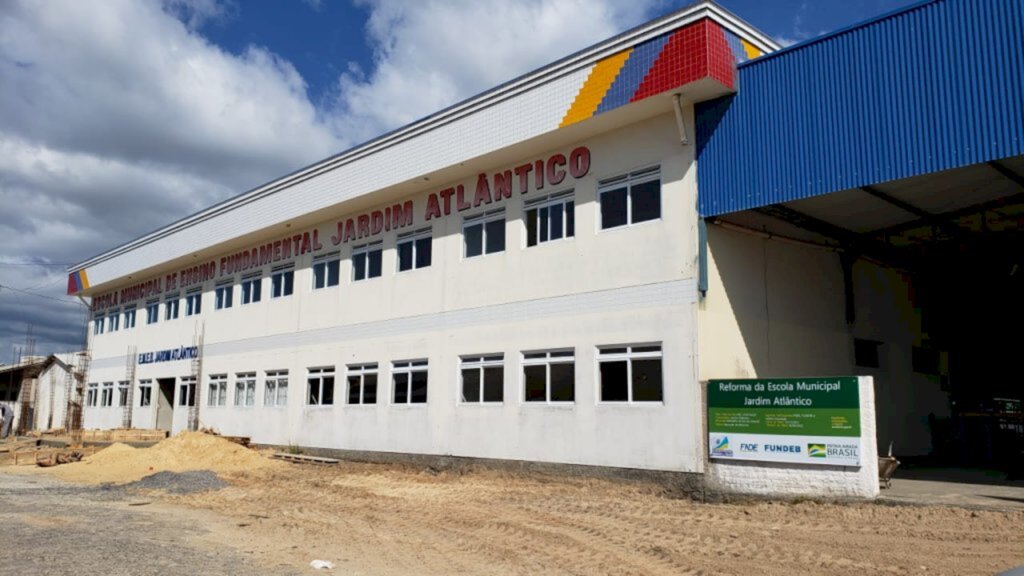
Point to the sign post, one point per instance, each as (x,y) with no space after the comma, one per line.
(795,420)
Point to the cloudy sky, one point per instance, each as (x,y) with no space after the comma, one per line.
(118,117)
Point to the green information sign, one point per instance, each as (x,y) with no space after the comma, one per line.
(809,420)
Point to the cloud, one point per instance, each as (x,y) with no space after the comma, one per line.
(118,117)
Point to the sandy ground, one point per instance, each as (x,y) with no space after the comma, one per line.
(390,520)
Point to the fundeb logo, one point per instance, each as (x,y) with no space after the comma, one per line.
(816,450)
(721,447)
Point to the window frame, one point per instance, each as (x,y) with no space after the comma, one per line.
(551,356)
(245,386)
(319,375)
(481,362)
(629,357)
(129,317)
(113,320)
(251,288)
(222,288)
(286,288)
(563,198)
(367,250)
(217,391)
(408,368)
(482,219)
(92,394)
(145,392)
(362,371)
(152,312)
(186,391)
(107,395)
(194,302)
(413,239)
(272,379)
(326,261)
(629,180)
(172,306)
(98,324)
(122,393)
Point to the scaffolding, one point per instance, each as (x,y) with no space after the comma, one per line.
(27,395)
(193,395)
(129,376)
(74,391)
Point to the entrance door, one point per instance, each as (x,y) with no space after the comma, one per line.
(165,404)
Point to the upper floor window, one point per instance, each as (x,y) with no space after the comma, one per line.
(224,295)
(282,281)
(320,391)
(414,250)
(91,394)
(107,396)
(194,302)
(218,392)
(409,381)
(483,378)
(549,376)
(326,270)
(484,233)
(97,325)
(362,383)
(251,288)
(630,373)
(630,199)
(114,321)
(129,318)
(550,218)
(367,261)
(152,311)
(171,307)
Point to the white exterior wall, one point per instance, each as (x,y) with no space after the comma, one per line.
(51,397)
(775,309)
(629,285)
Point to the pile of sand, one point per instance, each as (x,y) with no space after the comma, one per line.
(119,463)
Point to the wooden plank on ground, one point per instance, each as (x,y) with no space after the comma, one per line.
(304,459)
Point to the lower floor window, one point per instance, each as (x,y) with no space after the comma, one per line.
(145,393)
(218,393)
(122,394)
(275,392)
(362,383)
(630,373)
(245,389)
(187,391)
(549,376)
(320,390)
(483,378)
(410,382)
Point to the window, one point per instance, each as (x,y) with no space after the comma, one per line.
(245,389)
(275,392)
(282,281)
(484,234)
(320,391)
(91,394)
(483,378)
(630,373)
(171,307)
(122,393)
(410,381)
(414,250)
(549,376)
(224,295)
(366,261)
(129,318)
(107,395)
(630,199)
(550,218)
(326,270)
(194,302)
(97,325)
(251,288)
(362,383)
(187,391)
(114,321)
(145,393)
(217,395)
(152,311)
(865,353)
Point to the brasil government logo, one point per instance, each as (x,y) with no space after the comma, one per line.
(721,447)
(816,450)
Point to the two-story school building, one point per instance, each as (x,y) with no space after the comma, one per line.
(549,271)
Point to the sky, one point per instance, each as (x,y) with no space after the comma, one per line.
(119,117)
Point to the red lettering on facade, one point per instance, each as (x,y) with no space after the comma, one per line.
(556,173)
(460,199)
(523,172)
(364,225)
(538,174)
(350,230)
(483,191)
(376,222)
(579,162)
(433,209)
(502,185)
(447,194)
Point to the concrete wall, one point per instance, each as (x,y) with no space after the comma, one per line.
(777,309)
(623,286)
(51,397)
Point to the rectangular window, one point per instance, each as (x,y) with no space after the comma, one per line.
(194,302)
(320,390)
(224,295)
(97,325)
(551,218)
(129,318)
(218,392)
(367,261)
(409,381)
(362,383)
(282,281)
(630,199)
(122,393)
(483,378)
(152,311)
(145,393)
(549,376)
(326,270)
(484,234)
(171,307)
(107,396)
(187,391)
(414,250)
(251,288)
(275,390)
(630,373)
(245,389)
(114,321)
(91,395)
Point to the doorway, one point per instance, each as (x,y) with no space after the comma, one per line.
(165,404)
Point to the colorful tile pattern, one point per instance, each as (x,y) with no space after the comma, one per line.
(699,50)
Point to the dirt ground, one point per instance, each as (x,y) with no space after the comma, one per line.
(390,519)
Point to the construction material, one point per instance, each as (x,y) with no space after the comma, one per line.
(123,435)
(303,459)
